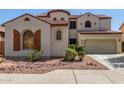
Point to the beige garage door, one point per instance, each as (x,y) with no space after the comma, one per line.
(100,46)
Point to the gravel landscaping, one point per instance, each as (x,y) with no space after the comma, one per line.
(46,65)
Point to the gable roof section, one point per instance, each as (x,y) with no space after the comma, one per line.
(121,26)
(25,15)
(100,16)
(2,29)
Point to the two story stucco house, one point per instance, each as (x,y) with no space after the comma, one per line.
(53,31)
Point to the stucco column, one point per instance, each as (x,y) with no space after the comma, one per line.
(118,45)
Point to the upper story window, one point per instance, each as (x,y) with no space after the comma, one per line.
(87,24)
(54,18)
(72,24)
(58,35)
(62,18)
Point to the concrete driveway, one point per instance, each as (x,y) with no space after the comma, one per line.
(66,77)
(112,61)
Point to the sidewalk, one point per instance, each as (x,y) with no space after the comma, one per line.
(66,77)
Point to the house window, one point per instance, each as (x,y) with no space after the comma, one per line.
(72,41)
(87,24)
(58,35)
(62,18)
(54,18)
(28,40)
(72,24)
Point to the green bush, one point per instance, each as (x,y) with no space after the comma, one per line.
(33,56)
(73,51)
(72,46)
(70,54)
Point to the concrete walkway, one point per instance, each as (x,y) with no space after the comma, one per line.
(103,59)
(66,77)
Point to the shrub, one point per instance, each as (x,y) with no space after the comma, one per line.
(33,56)
(73,48)
(70,54)
(81,52)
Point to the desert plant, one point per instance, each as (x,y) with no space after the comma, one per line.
(72,46)
(80,51)
(33,55)
(70,54)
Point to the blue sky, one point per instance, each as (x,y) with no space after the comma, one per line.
(117,14)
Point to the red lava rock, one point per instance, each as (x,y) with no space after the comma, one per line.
(59,63)
(91,64)
(26,67)
(39,66)
(17,66)
(2,68)
(95,64)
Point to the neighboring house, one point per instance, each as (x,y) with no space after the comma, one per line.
(2,31)
(122,36)
(52,32)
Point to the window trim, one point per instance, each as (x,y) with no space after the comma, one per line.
(60,34)
(23,40)
(72,26)
(88,24)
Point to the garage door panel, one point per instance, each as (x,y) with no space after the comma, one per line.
(100,46)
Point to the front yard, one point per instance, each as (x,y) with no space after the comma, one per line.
(46,65)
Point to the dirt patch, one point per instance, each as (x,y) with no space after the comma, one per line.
(46,65)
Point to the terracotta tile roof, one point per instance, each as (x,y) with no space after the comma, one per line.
(24,15)
(59,10)
(99,32)
(73,16)
(102,16)
(121,26)
(42,15)
(56,22)
(2,29)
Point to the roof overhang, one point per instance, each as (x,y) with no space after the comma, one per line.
(22,16)
(99,32)
(121,26)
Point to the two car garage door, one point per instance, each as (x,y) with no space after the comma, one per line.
(100,46)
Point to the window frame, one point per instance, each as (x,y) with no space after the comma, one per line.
(58,38)
(73,25)
(88,24)
(23,40)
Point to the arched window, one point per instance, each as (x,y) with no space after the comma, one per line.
(28,40)
(62,18)
(58,35)
(54,19)
(87,24)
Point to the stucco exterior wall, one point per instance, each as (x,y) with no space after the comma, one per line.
(1,37)
(33,25)
(105,24)
(93,19)
(96,23)
(117,37)
(59,46)
(122,36)
(72,32)
(59,15)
